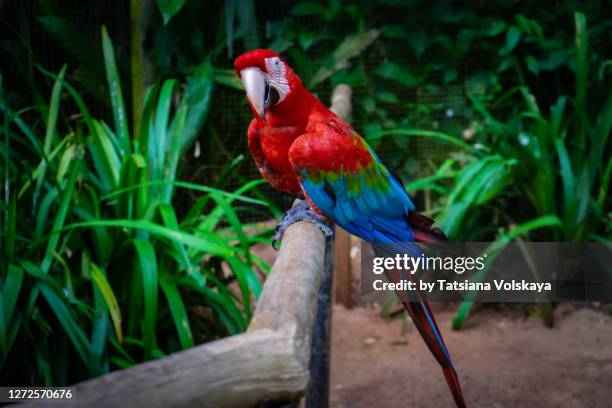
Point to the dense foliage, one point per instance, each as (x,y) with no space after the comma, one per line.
(98,269)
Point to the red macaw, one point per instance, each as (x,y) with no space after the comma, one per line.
(303,149)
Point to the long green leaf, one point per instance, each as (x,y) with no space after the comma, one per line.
(351,47)
(205,244)
(221,302)
(146,261)
(114,87)
(11,290)
(198,98)
(421,133)
(9,324)
(173,153)
(60,216)
(102,284)
(50,132)
(98,344)
(105,157)
(237,195)
(11,229)
(157,143)
(64,317)
(569,188)
(169,219)
(75,95)
(581,78)
(177,309)
(36,173)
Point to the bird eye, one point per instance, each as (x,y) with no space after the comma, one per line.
(276,62)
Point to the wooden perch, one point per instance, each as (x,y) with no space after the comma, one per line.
(269,363)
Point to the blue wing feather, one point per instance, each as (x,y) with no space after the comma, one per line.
(377,213)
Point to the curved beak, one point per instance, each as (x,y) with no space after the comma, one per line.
(254,81)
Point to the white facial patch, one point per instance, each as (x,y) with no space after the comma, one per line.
(277,76)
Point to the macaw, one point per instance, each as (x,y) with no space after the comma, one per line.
(303,149)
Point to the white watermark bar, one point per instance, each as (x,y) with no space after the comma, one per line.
(488,272)
(25,394)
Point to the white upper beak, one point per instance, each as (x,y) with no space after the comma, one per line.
(254,81)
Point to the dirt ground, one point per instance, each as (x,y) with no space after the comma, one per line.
(503,358)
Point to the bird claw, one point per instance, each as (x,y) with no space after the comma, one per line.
(302,211)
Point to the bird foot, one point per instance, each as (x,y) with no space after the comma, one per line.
(302,211)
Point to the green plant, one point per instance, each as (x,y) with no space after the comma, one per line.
(551,163)
(571,186)
(528,173)
(98,269)
(524,161)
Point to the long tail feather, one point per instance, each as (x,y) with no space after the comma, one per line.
(426,325)
(420,312)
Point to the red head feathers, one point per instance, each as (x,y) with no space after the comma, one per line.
(274,91)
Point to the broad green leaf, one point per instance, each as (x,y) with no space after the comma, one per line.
(532,64)
(227,77)
(351,47)
(396,72)
(513,36)
(169,8)
(198,100)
